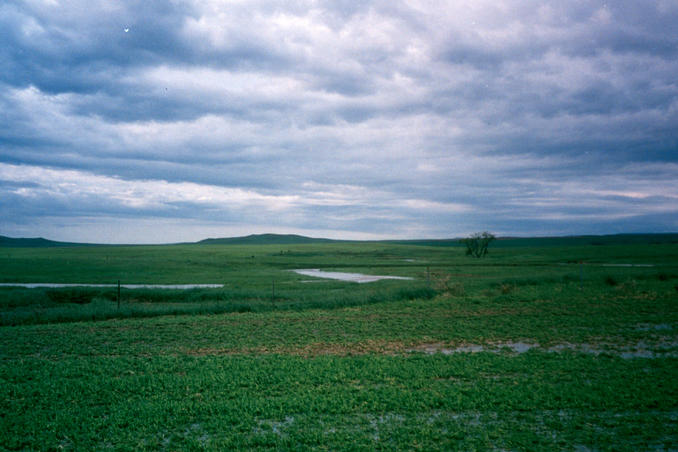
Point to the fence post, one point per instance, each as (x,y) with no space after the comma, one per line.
(118,294)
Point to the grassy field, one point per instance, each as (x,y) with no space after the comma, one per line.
(538,346)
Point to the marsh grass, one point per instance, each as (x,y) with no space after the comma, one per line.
(337,365)
(34,306)
(507,275)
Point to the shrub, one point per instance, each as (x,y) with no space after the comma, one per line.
(443,283)
(78,296)
(477,244)
(506,288)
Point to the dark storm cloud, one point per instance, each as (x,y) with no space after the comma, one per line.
(378,118)
(70,48)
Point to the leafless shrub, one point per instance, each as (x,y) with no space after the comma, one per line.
(443,282)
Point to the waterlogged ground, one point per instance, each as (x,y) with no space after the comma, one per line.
(666,347)
(438,374)
(493,361)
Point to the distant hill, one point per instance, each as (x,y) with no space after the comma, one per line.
(587,240)
(294,239)
(33,243)
(426,242)
(254,239)
(265,239)
(579,240)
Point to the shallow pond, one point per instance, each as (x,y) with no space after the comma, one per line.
(124,286)
(353,277)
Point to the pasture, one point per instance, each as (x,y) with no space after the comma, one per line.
(560,344)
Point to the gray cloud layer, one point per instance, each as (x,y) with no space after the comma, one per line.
(347,119)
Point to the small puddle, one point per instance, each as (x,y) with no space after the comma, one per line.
(656,327)
(515,347)
(125,286)
(342,276)
(462,349)
(594,264)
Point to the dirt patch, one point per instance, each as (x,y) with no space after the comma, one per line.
(309,350)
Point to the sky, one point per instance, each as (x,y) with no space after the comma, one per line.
(168,121)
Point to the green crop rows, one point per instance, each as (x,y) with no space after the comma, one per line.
(564,346)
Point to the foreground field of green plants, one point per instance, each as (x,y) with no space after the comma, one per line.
(538,346)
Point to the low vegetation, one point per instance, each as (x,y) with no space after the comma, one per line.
(531,348)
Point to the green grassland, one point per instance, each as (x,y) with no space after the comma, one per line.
(541,345)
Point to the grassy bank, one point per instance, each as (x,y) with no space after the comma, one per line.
(19,306)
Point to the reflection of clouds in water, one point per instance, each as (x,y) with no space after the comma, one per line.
(342,276)
(664,348)
(124,286)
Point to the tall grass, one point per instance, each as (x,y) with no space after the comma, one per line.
(37,306)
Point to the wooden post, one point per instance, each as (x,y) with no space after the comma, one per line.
(118,294)
(428,277)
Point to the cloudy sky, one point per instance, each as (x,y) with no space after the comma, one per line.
(163,121)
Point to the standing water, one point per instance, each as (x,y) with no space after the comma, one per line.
(353,277)
(125,286)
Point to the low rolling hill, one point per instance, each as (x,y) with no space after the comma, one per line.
(38,242)
(265,239)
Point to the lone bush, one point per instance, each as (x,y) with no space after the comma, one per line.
(477,244)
